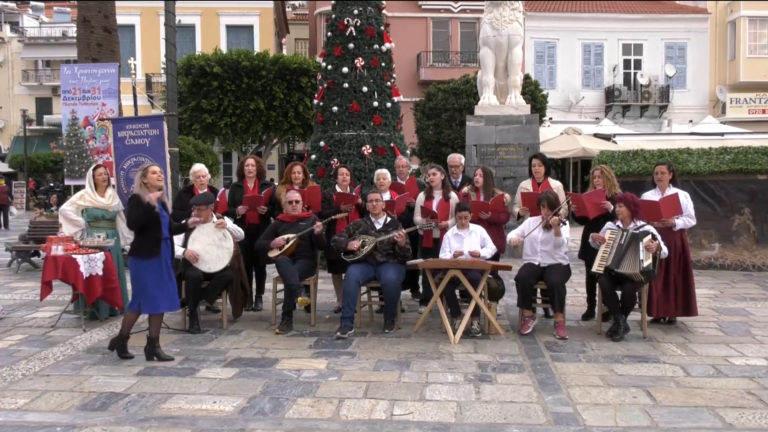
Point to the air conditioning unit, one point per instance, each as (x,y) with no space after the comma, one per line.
(56,90)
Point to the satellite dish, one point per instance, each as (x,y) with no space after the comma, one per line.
(643,79)
(2,58)
(2,124)
(670,70)
(721,92)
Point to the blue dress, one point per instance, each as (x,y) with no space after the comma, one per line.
(153,282)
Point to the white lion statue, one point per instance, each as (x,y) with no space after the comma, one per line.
(501,54)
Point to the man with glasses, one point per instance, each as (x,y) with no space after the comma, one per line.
(303,262)
(456,172)
(385,263)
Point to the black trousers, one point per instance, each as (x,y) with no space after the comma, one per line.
(609,284)
(449,293)
(412,276)
(194,278)
(426,253)
(4,210)
(590,283)
(254,262)
(554,275)
(293,272)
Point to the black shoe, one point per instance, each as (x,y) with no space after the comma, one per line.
(285,326)
(547,313)
(212,308)
(612,329)
(622,328)
(658,320)
(671,320)
(380,309)
(308,308)
(389,326)
(120,344)
(606,316)
(344,332)
(588,315)
(337,309)
(194,322)
(153,351)
(415,295)
(258,304)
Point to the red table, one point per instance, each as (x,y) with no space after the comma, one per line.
(104,287)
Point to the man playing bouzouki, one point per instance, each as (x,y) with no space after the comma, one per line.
(302,263)
(385,263)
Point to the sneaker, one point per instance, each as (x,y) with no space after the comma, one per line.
(422,309)
(474,329)
(528,323)
(344,332)
(285,326)
(560,332)
(456,324)
(303,301)
(389,326)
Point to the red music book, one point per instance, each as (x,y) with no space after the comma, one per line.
(495,205)
(312,198)
(344,198)
(666,208)
(428,213)
(588,204)
(396,206)
(412,187)
(397,187)
(253,201)
(357,190)
(529,200)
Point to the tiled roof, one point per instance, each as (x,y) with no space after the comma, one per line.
(301,14)
(612,7)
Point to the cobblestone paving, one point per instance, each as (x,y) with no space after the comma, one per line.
(704,374)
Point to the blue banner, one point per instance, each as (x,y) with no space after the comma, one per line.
(89,98)
(139,141)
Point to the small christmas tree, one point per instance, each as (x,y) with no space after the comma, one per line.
(77,157)
(357,111)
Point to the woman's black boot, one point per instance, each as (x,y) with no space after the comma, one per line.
(120,344)
(153,351)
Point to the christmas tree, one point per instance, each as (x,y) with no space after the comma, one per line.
(77,157)
(357,119)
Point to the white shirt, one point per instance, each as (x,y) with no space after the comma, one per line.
(663,252)
(236,232)
(418,220)
(473,238)
(542,247)
(688,218)
(378,223)
(386,196)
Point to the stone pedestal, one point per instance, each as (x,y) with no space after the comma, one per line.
(484,110)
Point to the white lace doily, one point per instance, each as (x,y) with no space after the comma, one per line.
(90,264)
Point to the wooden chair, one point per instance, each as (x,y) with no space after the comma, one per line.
(643,311)
(369,297)
(539,301)
(311,282)
(223,297)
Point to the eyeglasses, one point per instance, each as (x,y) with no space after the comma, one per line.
(374,201)
(295,202)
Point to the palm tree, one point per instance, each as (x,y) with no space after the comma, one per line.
(97,38)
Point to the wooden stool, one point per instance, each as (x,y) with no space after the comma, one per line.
(223,297)
(643,310)
(367,299)
(311,282)
(540,300)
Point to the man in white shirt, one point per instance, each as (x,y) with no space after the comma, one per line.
(465,241)
(202,208)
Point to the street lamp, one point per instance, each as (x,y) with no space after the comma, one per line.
(24,119)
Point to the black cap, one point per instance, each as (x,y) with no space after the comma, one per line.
(202,199)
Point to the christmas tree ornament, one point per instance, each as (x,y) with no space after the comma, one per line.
(337,51)
(375,46)
(313,157)
(321,172)
(364,89)
(388,41)
(396,93)
(354,107)
(370,32)
(375,104)
(326,149)
(397,150)
(330,67)
(384,49)
(345,85)
(377,120)
(359,63)
(374,62)
(323,64)
(351,46)
(388,105)
(344,69)
(320,118)
(367,151)
(381,151)
(354,11)
(334,163)
(321,144)
(329,34)
(335,109)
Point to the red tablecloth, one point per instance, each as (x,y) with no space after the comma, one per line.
(65,268)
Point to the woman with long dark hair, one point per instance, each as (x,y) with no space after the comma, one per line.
(295,177)
(538,180)
(483,188)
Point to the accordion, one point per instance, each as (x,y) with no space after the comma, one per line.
(624,254)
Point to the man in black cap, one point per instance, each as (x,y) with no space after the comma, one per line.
(202,208)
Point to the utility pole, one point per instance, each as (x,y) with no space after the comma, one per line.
(172,94)
(133,62)
(24,119)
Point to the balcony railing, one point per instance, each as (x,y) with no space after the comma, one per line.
(40,76)
(445,65)
(643,97)
(49,32)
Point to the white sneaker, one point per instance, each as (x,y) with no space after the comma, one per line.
(422,309)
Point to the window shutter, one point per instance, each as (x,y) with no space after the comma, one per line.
(586,66)
(681,63)
(539,63)
(551,65)
(598,64)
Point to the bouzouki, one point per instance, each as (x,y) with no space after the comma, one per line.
(368,243)
(291,240)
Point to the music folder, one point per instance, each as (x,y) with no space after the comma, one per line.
(529,200)
(312,197)
(396,206)
(589,204)
(495,205)
(412,187)
(666,208)
(397,187)
(253,202)
(428,213)
(344,198)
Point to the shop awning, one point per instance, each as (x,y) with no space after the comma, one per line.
(60,51)
(35,144)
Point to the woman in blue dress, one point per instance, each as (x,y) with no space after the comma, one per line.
(98,210)
(151,261)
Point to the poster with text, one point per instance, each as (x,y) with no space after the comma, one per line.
(89,98)
(138,141)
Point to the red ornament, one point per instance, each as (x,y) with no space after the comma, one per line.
(326,148)
(399,125)
(375,62)
(387,40)
(341,27)
(320,118)
(337,51)
(321,172)
(386,25)
(386,76)
(320,94)
(377,120)
(370,32)
(331,84)
(327,19)
(354,107)
(396,93)
(322,53)
(381,151)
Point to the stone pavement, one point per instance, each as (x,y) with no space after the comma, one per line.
(704,374)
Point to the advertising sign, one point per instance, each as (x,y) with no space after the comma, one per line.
(747,105)
(138,141)
(89,98)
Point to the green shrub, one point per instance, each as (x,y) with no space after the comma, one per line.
(688,162)
(39,164)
